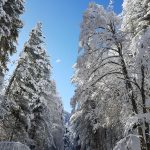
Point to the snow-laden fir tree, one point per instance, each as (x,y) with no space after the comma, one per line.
(10,23)
(28,93)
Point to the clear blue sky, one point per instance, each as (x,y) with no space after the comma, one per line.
(61,26)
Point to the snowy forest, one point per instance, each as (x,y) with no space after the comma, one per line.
(111,101)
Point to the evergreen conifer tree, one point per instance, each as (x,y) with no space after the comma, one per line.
(10,23)
(26,93)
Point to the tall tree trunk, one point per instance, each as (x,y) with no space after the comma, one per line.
(1,79)
(147,136)
(131,95)
(128,84)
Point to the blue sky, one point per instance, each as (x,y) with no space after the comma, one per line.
(61,26)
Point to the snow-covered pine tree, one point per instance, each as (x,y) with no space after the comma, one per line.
(29,121)
(10,23)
